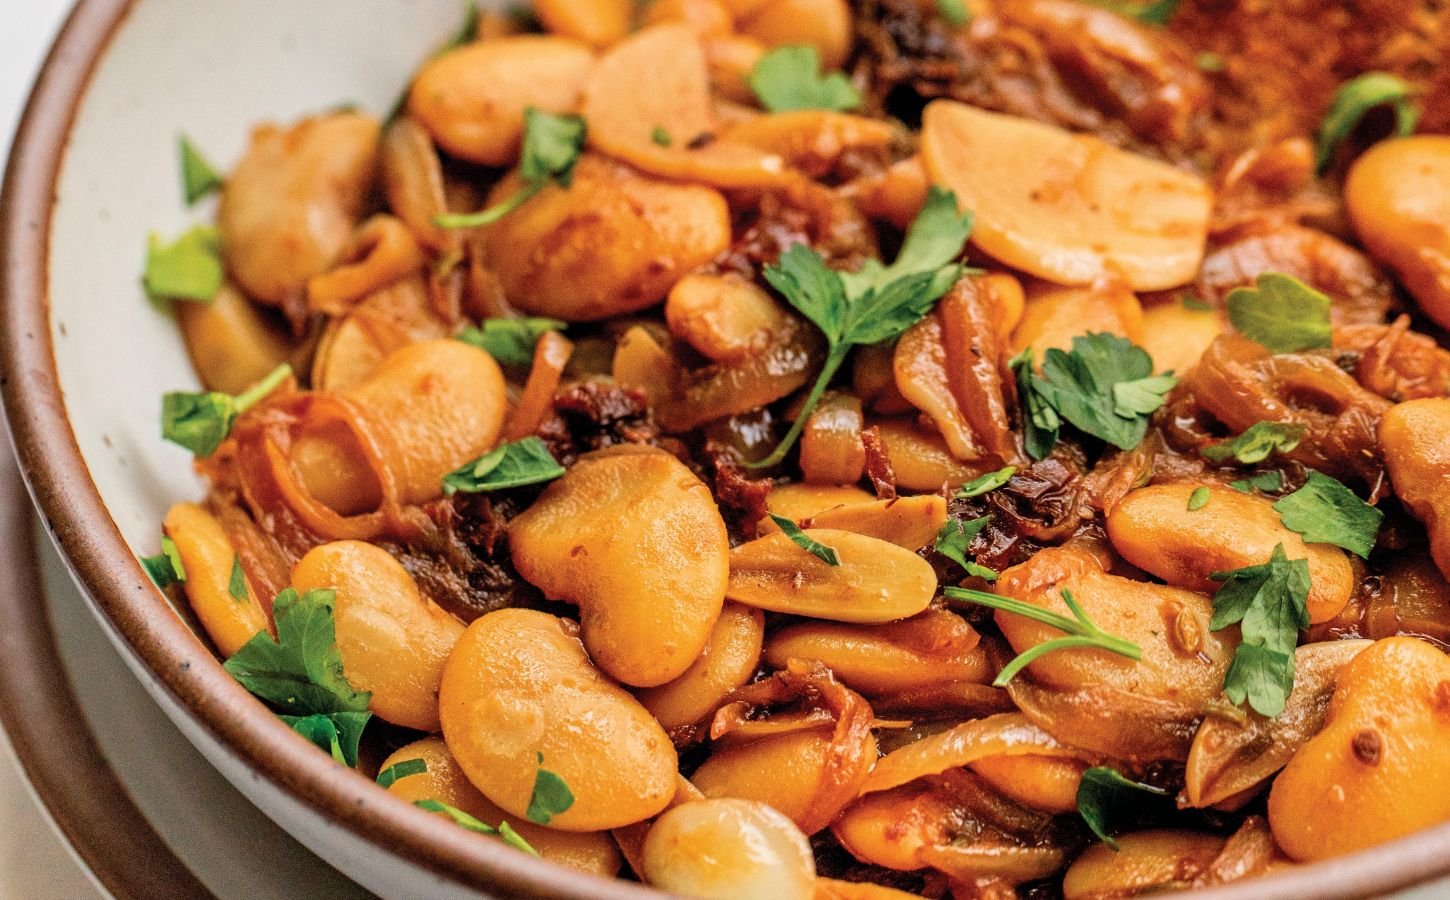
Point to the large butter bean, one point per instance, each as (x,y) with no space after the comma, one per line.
(635,539)
(1415,438)
(1154,530)
(731,850)
(519,684)
(207,556)
(393,641)
(730,658)
(444,781)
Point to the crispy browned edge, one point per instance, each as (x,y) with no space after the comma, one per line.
(78,520)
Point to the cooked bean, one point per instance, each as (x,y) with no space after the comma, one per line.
(725,317)
(393,641)
(709,17)
(922,460)
(831,451)
(231,342)
(822,24)
(799,501)
(1145,862)
(412,178)
(352,347)
(1415,437)
(208,556)
(813,140)
(731,58)
(519,684)
(908,522)
(1047,783)
(598,23)
(728,661)
(1005,734)
(635,539)
(1054,315)
(381,252)
(1176,336)
(731,850)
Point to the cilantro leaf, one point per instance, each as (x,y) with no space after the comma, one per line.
(789,78)
(953,539)
(401,769)
(237,584)
(804,541)
(954,12)
(503,832)
(526,461)
(165,568)
(510,341)
(200,421)
(1324,511)
(551,796)
(1269,601)
(1104,387)
(300,672)
(1079,631)
(1102,792)
(198,178)
(551,149)
(1198,499)
(989,482)
(190,268)
(1282,313)
(337,733)
(1040,422)
(1354,99)
(1260,441)
(1262,481)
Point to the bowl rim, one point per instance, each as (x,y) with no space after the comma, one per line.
(78,521)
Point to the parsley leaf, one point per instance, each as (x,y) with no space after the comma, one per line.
(1282,313)
(301,671)
(165,568)
(789,78)
(337,733)
(1258,443)
(526,461)
(551,796)
(804,541)
(1262,481)
(198,178)
(1354,99)
(1080,630)
(401,769)
(1102,792)
(989,482)
(510,341)
(1198,499)
(200,421)
(954,12)
(237,584)
(953,540)
(1270,603)
(660,137)
(1158,13)
(552,145)
(873,305)
(1193,302)
(503,832)
(190,268)
(1040,422)
(1104,387)
(1324,511)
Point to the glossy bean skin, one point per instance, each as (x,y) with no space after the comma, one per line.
(290,204)
(1415,439)
(797,501)
(232,344)
(472,98)
(444,781)
(207,556)
(725,317)
(518,684)
(823,24)
(1380,769)
(728,849)
(1397,195)
(1054,315)
(393,641)
(908,522)
(635,539)
(728,661)
(1046,783)
(598,23)
(1146,861)
(1176,336)
(1154,530)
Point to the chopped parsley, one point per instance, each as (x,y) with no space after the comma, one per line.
(1158,12)
(510,341)
(551,796)
(200,421)
(789,78)
(1282,313)
(198,178)
(190,268)
(1354,99)
(1079,630)
(1258,443)
(237,584)
(660,137)
(1209,62)
(955,537)
(503,832)
(1270,603)
(1198,499)
(1194,302)
(336,733)
(526,461)
(875,304)
(165,568)
(551,149)
(989,482)
(1267,482)
(1324,511)
(804,541)
(401,769)
(1103,793)
(954,12)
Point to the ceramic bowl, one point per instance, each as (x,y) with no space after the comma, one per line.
(86,357)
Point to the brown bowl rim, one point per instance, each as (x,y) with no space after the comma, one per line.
(77,519)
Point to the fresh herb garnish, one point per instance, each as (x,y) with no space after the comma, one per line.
(1080,630)
(526,461)
(875,304)
(789,78)
(165,568)
(1267,482)
(1209,62)
(1102,793)
(551,796)
(1270,603)
(237,584)
(200,421)
(552,145)
(401,769)
(660,137)
(1282,313)
(510,341)
(988,482)
(1198,499)
(804,541)
(1260,441)
(190,268)
(300,673)
(1104,386)
(1326,512)
(503,832)
(1194,302)
(1354,99)
(198,178)
(953,539)
(954,12)
(1158,13)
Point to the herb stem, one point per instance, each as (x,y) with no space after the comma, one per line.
(833,364)
(249,398)
(491,214)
